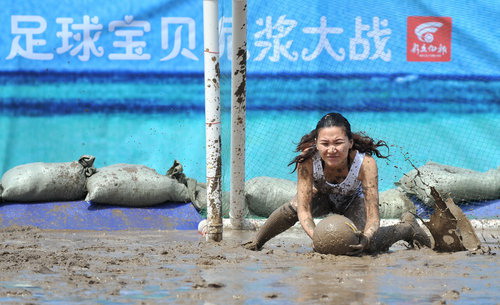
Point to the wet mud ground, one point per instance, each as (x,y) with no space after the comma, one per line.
(180,267)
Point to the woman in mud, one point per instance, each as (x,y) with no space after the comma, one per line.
(338,174)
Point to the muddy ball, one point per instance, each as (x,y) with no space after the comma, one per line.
(334,234)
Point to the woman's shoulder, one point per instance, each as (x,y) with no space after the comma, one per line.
(368,160)
(305,171)
(368,167)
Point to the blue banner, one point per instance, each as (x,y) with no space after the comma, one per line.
(283,36)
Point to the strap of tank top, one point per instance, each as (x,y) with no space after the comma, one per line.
(356,164)
(317,167)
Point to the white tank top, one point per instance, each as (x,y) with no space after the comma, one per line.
(342,194)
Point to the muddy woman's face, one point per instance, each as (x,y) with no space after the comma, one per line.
(333,146)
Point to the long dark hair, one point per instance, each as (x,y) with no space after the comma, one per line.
(361,142)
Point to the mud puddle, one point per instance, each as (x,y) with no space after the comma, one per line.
(180,267)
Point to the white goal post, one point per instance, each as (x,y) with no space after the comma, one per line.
(238,114)
(213,118)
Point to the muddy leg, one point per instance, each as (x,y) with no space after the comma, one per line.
(408,230)
(278,222)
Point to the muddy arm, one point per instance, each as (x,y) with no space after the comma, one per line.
(304,197)
(369,179)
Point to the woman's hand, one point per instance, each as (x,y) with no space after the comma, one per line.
(361,246)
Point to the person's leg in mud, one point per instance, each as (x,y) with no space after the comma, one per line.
(408,229)
(284,218)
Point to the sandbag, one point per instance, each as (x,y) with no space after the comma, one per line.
(462,185)
(42,182)
(263,195)
(176,171)
(197,191)
(133,185)
(393,203)
(198,195)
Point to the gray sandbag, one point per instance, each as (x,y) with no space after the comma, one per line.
(462,185)
(197,191)
(176,171)
(198,195)
(41,182)
(133,185)
(263,195)
(393,203)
